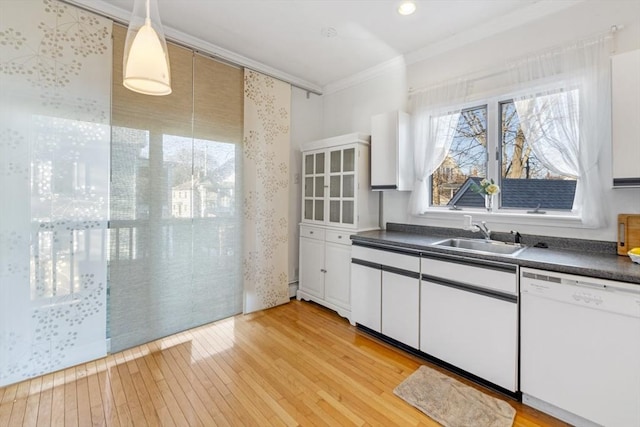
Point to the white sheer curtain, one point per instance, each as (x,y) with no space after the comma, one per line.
(54,187)
(434,124)
(568,128)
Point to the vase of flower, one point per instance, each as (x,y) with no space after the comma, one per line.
(488,202)
(489,190)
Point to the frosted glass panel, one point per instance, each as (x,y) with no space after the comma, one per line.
(319,163)
(319,210)
(334,186)
(334,211)
(308,187)
(347,212)
(308,209)
(319,186)
(308,164)
(348,186)
(336,161)
(54,187)
(349,160)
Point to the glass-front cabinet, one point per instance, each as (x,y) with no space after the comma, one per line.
(335,181)
(337,201)
(329,195)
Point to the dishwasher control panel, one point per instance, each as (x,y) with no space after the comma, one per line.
(617,297)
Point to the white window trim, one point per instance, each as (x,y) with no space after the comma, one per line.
(551,218)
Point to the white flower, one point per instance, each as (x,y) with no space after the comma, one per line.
(492,189)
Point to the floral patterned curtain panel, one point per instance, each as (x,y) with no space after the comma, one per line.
(55,65)
(267,104)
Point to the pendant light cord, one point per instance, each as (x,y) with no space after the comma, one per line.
(147,21)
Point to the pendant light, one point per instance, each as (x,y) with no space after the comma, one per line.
(146,59)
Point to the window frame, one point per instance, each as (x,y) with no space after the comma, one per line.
(492,101)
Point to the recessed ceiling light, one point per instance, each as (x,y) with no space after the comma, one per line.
(407,8)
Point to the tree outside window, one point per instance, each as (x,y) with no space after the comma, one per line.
(525,182)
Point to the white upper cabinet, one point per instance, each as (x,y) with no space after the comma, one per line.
(391,152)
(625,98)
(336,183)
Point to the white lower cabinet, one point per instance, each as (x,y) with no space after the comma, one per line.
(325,264)
(312,267)
(385,293)
(336,278)
(461,311)
(401,307)
(469,318)
(366,296)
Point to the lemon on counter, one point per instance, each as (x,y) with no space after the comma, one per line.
(634,254)
(635,251)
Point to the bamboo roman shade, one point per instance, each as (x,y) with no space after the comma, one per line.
(175,228)
(218,100)
(206,102)
(171,114)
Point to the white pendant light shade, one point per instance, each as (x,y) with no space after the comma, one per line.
(146,59)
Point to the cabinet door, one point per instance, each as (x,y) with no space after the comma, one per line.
(342,186)
(625,98)
(314,192)
(337,276)
(366,296)
(312,266)
(474,332)
(400,308)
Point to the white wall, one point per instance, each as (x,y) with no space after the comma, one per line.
(350,108)
(306,122)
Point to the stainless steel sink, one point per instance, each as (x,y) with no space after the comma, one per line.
(486,246)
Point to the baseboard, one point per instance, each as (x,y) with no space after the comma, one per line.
(554,411)
(293,289)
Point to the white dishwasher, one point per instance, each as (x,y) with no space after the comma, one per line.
(580,348)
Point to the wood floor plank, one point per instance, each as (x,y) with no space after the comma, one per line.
(20,404)
(297,364)
(33,402)
(57,399)
(82,396)
(46,398)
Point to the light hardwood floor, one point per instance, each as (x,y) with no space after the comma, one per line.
(297,364)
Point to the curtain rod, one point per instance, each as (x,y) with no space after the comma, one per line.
(115,15)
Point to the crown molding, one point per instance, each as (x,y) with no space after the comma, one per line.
(122,16)
(365,75)
(492,27)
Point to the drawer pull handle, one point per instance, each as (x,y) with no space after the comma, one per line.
(323,270)
(311,232)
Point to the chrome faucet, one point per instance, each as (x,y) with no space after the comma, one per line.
(475,227)
(482,227)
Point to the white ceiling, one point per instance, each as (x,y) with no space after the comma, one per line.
(287,36)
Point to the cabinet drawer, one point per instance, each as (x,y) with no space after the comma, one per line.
(390,259)
(312,232)
(485,277)
(341,237)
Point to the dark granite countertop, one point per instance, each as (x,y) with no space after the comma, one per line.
(571,256)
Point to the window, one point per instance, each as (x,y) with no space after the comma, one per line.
(489,142)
